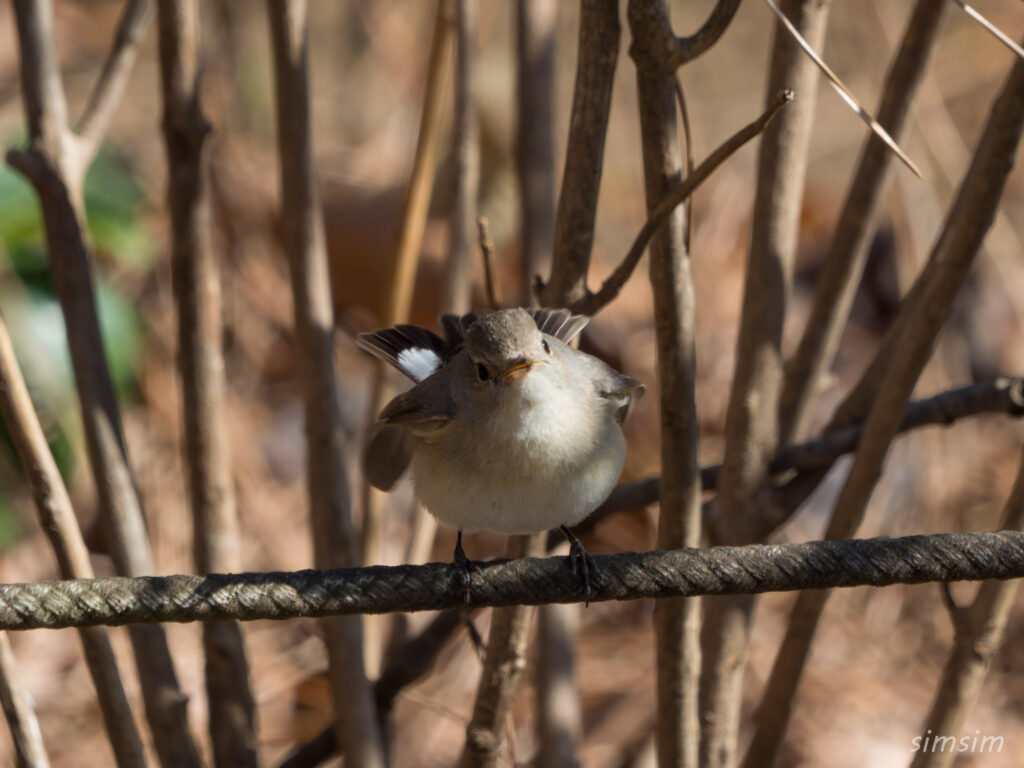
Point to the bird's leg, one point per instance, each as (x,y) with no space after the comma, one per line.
(465,567)
(582,562)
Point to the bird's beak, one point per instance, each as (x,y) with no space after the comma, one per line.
(518,370)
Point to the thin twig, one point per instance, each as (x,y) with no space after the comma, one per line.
(597,54)
(106,94)
(844,92)
(334,540)
(965,226)
(1001,36)
(491,286)
(55,165)
(750,569)
(592,303)
(207,455)
(691,162)
(26,737)
(58,521)
(844,264)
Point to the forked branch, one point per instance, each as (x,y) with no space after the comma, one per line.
(686,49)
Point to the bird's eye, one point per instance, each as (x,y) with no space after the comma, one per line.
(482,373)
(544,343)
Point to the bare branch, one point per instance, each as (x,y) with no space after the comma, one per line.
(29,751)
(559,715)
(750,569)
(751,424)
(535,150)
(843,91)
(56,517)
(676,622)
(58,521)
(465,162)
(503,666)
(848,252)
(598,53)
(751,420)
(207,455)
(592,303)
(966,223)
(334,540)
(686,49)
(46,109)
(109,88)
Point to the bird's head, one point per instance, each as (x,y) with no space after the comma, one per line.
(504,346)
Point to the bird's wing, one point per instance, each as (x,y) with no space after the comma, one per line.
(425,407)
(560,323)
(414,351)
(454,328)
(387,455)
(420,355)
(626,392)
(623,391)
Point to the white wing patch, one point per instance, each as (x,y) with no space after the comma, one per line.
(418,362)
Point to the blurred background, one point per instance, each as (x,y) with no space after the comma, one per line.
(878,654)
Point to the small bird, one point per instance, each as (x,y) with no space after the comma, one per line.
(508,428)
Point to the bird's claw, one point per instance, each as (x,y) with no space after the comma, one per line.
(466,568)
(582,563)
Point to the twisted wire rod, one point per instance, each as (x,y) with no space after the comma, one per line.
(536,581)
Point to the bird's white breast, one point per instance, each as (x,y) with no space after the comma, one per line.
(547,456)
